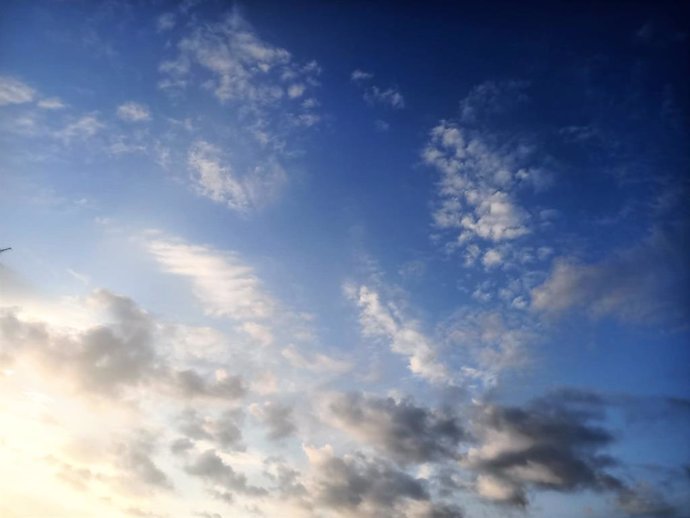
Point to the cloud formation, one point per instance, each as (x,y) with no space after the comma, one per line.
(400,429)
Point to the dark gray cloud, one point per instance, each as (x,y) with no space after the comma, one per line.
(224,480)
(191,384)
(357,485)
(553,443)
(287,480)
(353,480)
(277,418)
(134,458)
(401,429)
(644,501)
(225,430)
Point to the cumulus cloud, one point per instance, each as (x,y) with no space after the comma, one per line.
(360,485)
(400,429)
(474,190)
(221,478)
(483,171)
(101,359)
(13,91)
(133,112)
(276,417)
(648,281)
(224,430)
(135,459)
(225,285)
(382,320)
(224,386)
(554,443)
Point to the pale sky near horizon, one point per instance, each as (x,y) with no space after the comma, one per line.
(344,259)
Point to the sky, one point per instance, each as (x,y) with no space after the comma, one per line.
(344,259)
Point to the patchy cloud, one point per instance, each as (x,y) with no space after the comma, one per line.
(400,429)
(224,284)
(375,95)
(383,320)
(13,91)
(645,282)
(133,112)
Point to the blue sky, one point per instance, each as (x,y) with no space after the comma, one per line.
(333,260)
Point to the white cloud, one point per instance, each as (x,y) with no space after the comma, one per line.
(373,94)
(13,91)
(475,189)
(242,66)
(223,283)
(51,103)
(390,97)
(360,75)
(83,128)
(133,112)
(385,321)
(218,181)
(315,362)
(640,283)
(165,22)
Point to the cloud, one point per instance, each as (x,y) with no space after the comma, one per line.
(553,443)
(483,169)
(83,128)
(225,430)
(475,186)
(384,321)
(191,384)
(133,112)
(360,75)
(400,429)
(388,97)
(51,103)
(223,480)
(219,181)
(489,343)
(135,459)
(647,282)
(242,67)
(490,99)
(267,94)
(223,283)
(101,359)
(315,362)
(165,22)
(276,417)
(360,485)
(13,91)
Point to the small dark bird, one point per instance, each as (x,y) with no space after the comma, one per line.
(5,249)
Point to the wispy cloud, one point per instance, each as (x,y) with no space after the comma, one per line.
(240,191)
(375,95)
(133,112)
(384,320)
(13,91)
(223,283)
